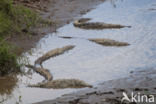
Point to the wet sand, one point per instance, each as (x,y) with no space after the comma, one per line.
(110,92)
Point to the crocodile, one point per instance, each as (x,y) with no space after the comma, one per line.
(109,42)
(62,83)
(84,24)
(53,53)
(42,71)
(49,82)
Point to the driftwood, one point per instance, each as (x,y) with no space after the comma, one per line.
(62,83)
(109,42)
(83,23)
(53,53)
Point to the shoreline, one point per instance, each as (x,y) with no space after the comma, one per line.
(109,92)
(50,10)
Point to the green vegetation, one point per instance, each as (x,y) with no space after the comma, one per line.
(14,20)
(5,22)
(8,60)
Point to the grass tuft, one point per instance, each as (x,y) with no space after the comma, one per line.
(8,60)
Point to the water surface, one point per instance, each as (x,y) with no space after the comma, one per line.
(92,62)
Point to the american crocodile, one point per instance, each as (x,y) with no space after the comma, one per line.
(42,71)
(53,53)
(109,42)
(49,82)
(84,24)
(62,83)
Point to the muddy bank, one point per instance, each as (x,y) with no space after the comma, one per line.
(50,9)
(7,88)
(111,92)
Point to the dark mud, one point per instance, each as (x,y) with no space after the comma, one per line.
(7,85)
(110,92)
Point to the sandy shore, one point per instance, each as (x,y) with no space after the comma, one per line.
(111,92)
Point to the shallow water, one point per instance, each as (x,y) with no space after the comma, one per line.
(92,62)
